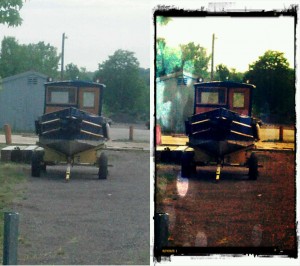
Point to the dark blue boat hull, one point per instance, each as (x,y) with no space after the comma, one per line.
(71,130)
(220,132)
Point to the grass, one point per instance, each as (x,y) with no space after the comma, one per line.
(164,178)
(10,176)
(2,145)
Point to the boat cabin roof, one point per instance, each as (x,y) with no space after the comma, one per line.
(75,83)
(226,84)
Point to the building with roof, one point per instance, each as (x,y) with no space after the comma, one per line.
(174,100)
(22,100)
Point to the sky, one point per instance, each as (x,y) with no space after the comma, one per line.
(95,29)
(238,41)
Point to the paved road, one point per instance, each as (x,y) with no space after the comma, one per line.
(86,220)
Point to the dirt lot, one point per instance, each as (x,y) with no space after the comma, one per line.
(86,220)
(235,212)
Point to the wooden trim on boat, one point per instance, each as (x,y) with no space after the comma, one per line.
(50,131)
(93,134)
(201,131)
(242,134)
(50,121)
(242,124)
(199,122)
(90,123)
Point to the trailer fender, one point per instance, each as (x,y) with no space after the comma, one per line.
(106,130)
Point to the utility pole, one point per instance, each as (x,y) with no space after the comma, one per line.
(62,56)
(212,58)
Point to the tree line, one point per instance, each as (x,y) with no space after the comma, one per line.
(127,85)
(274,95)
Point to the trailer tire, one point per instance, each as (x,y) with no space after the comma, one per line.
(44,167)
(106,130)
(258,131)
(253,166)
(103,169)
(187,166)
(36,160)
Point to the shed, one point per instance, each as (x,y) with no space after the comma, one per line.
(174,100)
(22,100)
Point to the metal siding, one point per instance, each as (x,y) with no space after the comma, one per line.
(21,103)
(35,104)
(178,97)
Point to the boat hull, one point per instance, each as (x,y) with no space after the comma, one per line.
(70,131)
(220,132)
(69,147)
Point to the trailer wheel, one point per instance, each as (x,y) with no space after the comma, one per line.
(44,167)
(103,171)
(36,160)
(253,166)
(187,165)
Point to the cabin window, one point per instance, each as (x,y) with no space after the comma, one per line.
(65,95)
(238,100)
(211,96)
(89,99)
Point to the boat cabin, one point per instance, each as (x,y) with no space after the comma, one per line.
(86,96)
(234,96)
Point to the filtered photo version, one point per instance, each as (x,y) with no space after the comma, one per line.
(225,179)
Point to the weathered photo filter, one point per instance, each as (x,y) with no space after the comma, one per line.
(225,179)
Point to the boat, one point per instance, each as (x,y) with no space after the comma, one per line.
(222,122)
(72,128)
(221,131)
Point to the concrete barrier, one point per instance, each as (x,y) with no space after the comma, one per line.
(19,154)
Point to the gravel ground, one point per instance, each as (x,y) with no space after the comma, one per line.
(235,212)
(86,220)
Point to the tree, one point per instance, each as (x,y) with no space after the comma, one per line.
(194,59)
(125,89)
(163,20)
(160,62)
(41,57)
(16,58)
(9,12)
(145,75)
(188,57)
(72,72)
(168,59)
(275,85)
(236,76)
(223,74)
(10,55)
